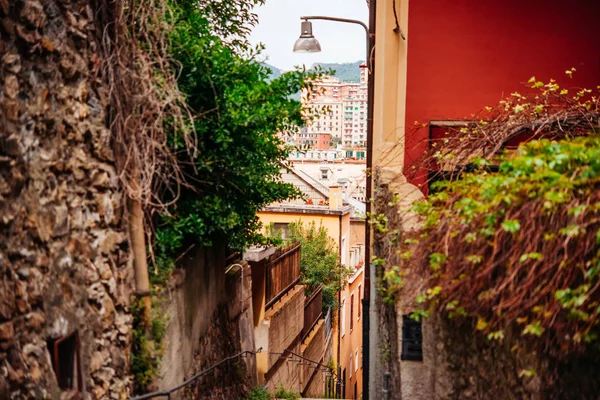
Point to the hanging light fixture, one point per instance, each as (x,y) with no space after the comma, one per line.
(307,43)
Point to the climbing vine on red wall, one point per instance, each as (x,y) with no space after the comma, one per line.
(512,238)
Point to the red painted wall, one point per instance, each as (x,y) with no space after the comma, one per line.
(468,54)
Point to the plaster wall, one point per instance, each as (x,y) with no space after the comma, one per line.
(313,348)
(197,290)
(329,222)
(465,56)
(351,340)
(210,317)
(357,232)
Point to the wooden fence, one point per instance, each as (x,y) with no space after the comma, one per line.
(313,309)
(283,272)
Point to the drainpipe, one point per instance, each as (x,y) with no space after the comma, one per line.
(339,342)
(369,273)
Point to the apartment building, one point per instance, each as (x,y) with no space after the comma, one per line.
(342,112)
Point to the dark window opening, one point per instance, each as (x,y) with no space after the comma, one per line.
(351,312)
(359,305)
(64,354)
(412,339)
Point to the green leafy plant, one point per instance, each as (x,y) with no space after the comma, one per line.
(258,393)
(147,344)
(320,263)
(282,393)
(236,113)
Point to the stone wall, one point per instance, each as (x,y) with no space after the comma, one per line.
(285,320)
(316,386)
(64,266)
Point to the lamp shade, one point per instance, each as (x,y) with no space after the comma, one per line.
(306,43)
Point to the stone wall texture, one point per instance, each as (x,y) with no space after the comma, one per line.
(286,375)
(64,265)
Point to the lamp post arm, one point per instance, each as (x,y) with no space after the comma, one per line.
(349,21)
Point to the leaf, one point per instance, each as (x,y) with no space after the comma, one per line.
(481,324)
(571,230)
(511,226)
(496,335)
(436,260)
(535,329)
(531,256)
(474,259)
(527,373)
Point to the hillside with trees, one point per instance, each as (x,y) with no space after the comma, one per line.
(346,72)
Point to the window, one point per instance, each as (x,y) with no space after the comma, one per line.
(351,312)
(412,339)
(343,247)
(356,360)
(350,366)
(281,228)
(343,322)
(64,355)
(359,306)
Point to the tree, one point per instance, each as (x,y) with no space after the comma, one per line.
(237,111)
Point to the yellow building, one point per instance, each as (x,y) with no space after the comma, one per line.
(347,231)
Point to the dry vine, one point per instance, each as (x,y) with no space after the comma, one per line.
(516,243)
(145,101)
(145,107)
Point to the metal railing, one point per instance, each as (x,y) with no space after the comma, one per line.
(313,309)
(168,392)
(328,325)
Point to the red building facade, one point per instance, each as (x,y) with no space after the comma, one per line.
(464,56)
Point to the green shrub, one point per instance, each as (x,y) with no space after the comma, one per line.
(258,393)
(284,394)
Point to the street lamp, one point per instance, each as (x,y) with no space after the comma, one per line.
(307,43)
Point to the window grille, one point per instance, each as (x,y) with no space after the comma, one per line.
(412,339)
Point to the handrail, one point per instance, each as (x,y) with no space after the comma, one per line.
(307,359)
(168,392)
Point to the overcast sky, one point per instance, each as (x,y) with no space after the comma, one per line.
(279,27)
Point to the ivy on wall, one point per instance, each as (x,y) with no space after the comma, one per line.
(512,238)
